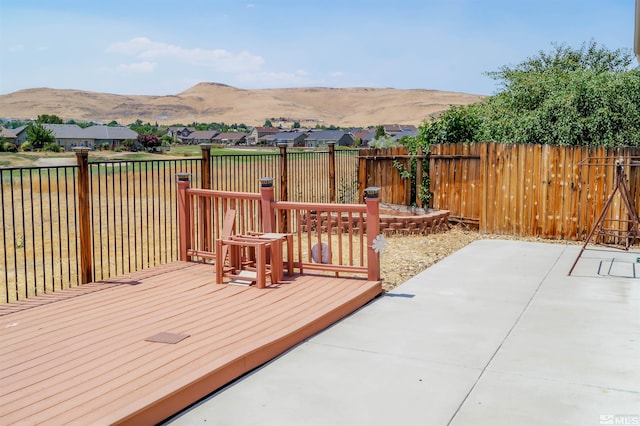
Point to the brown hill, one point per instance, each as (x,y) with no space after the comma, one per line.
(212,102)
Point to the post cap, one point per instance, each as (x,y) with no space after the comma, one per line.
(81,150)
(371,192)
(266,182)
(282,144)
(183,176)
(205,145)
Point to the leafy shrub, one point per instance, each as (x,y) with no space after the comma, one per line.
(26,146)
(8,147)
(128,144)
(52,147)
(149,141)
(382,142)
(588,96)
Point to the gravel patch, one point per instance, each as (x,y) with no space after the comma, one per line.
(406,256)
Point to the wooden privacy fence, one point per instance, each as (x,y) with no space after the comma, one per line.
(546,191)
(390,169)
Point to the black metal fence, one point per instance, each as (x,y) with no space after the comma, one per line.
(39,247)
(133,214)
(132,211)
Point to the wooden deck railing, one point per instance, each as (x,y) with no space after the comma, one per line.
(201,214)
(334,238)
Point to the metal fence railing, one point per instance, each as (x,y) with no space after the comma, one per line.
(129,210)
(38,248)
(133,214)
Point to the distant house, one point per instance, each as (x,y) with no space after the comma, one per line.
(69,136)
(179,132)
(394,129)
(258,134)
(111,136)
(231,138)
(200,136)
(290,138)
(8,134)
(410,133)
(323,137)
(364,136)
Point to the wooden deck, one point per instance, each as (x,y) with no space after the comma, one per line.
(80,356)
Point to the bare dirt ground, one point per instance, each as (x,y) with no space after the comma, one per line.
(406,256)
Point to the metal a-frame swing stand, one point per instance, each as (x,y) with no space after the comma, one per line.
(633,231)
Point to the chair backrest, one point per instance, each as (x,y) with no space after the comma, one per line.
(227,230)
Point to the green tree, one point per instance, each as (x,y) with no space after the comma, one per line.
(49,119)
(380,132)
(38,135)
(584,96)
(267,123)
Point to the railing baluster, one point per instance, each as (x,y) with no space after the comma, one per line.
(5,251)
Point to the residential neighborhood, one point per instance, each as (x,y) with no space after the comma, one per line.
(273,136)
(69,136)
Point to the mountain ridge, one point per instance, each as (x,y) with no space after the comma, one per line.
(217,102)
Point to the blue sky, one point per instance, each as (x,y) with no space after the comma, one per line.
(164,47)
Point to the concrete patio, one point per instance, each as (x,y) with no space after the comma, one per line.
(496,334)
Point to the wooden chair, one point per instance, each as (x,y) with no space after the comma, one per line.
(227,229)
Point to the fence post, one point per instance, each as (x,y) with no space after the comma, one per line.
(284,179)
(205,175)
(84,215)
(266,190)
(363,173)
(373,230)
(419,178)
(184,215)
(332,172)
(205,206)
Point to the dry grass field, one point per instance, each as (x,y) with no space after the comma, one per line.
(211,102)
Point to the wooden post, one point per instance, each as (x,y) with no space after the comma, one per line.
(419,178)
(332,172)
(206,217)
(373,230)
(363,173)
(484,172)
(84,215)
(184,215)
(205,176)
(284,179)
(266,190)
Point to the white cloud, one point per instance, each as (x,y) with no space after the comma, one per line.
(140,67)
(16,48)
(218,59)
(337,74)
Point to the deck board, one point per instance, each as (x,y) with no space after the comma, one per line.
(82,358)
